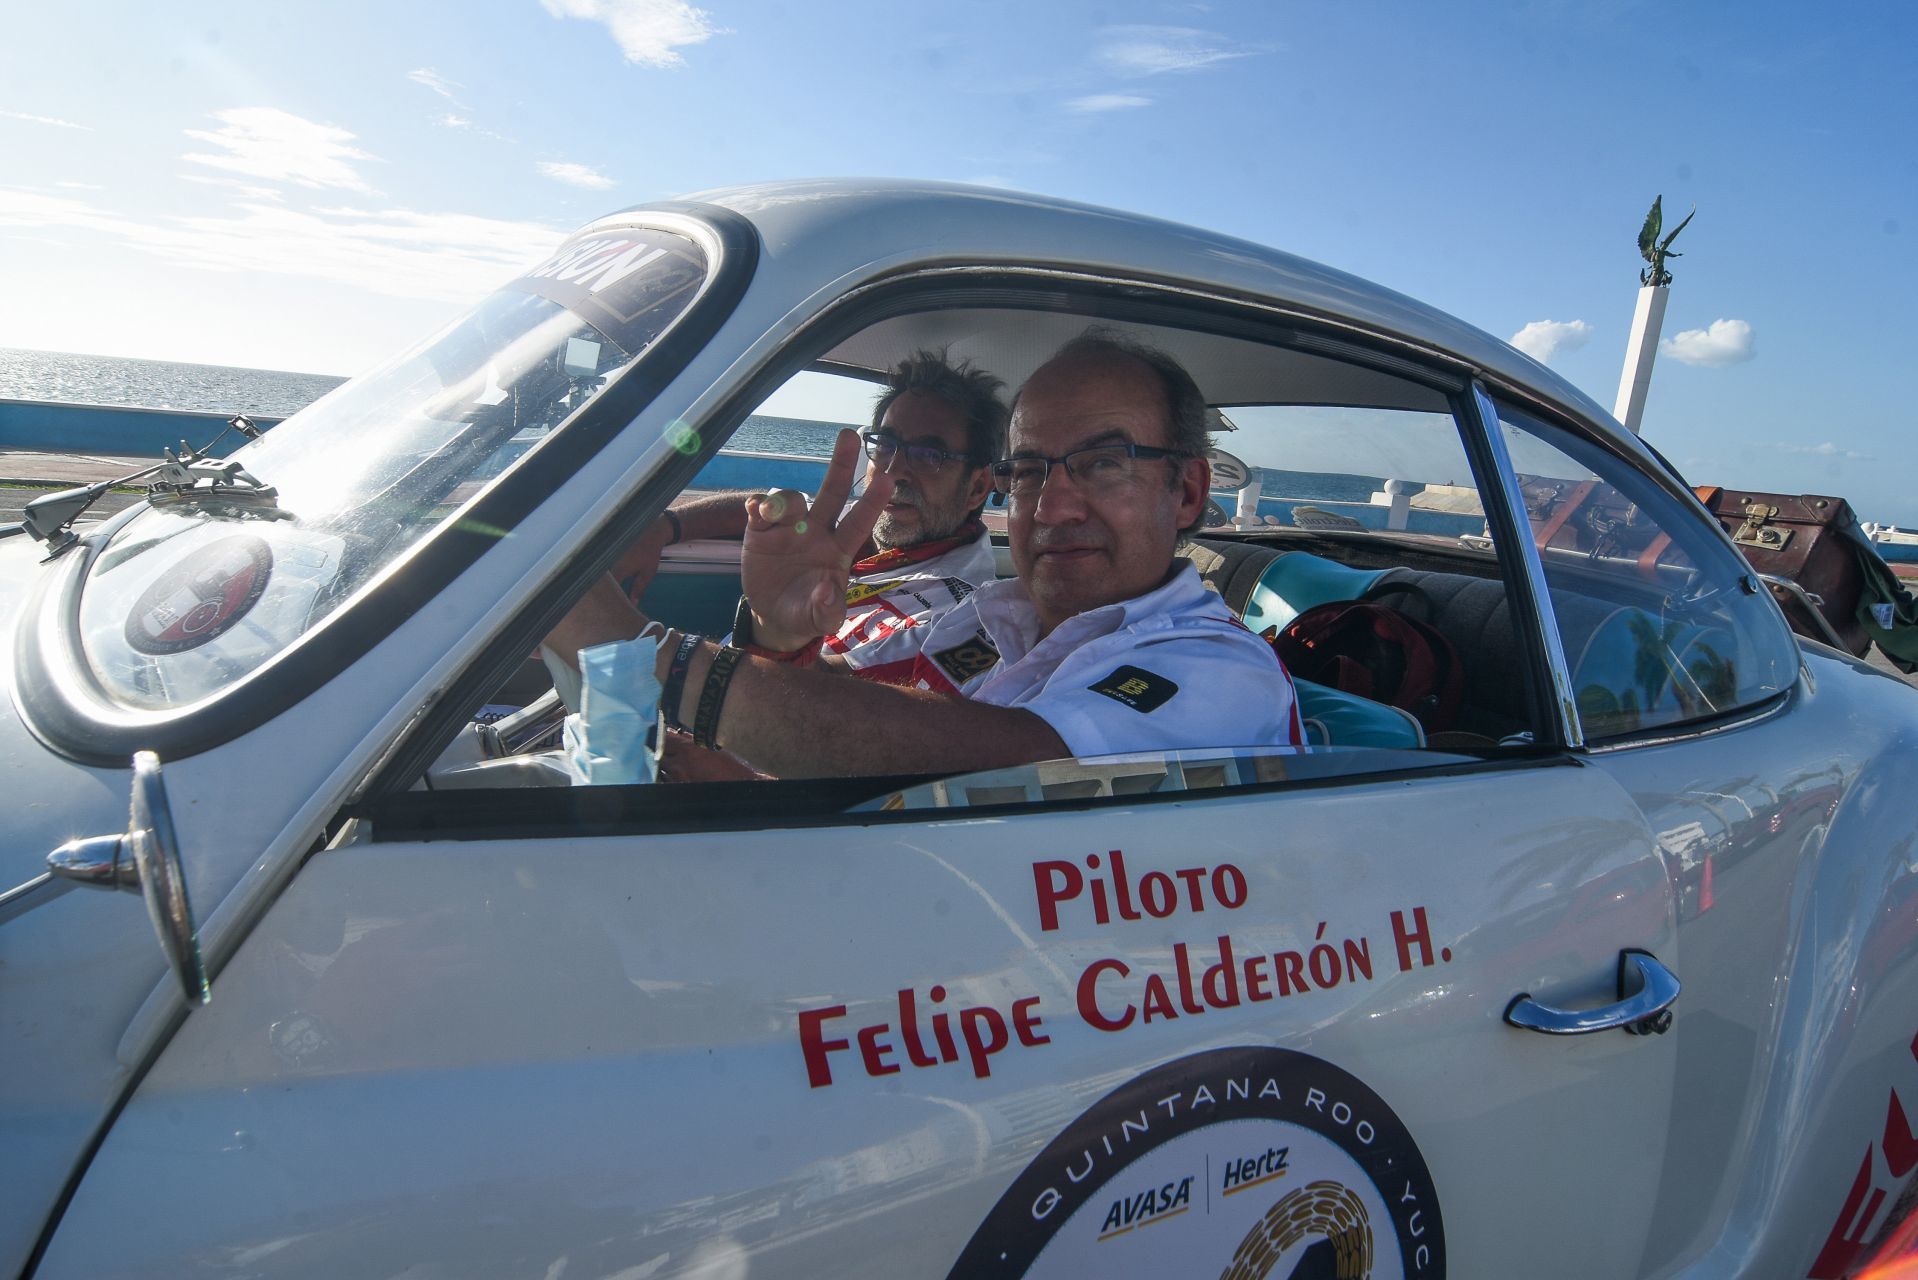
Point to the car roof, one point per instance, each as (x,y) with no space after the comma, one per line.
(853,228)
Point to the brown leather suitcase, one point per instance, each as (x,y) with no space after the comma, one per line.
(1800,538)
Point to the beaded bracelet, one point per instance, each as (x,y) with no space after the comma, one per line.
(675,685)
(712,695)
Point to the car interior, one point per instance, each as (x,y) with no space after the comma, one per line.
(1353,483)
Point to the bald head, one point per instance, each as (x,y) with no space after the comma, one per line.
(1101,352)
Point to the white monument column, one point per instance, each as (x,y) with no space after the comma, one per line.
(1636,379)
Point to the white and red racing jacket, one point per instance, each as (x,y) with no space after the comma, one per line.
(894,595)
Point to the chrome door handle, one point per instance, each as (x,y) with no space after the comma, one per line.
(1648,1012)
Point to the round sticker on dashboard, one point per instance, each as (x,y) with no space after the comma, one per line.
(200,597)
(1242,1163)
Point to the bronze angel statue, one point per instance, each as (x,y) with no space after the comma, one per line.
(1654,250)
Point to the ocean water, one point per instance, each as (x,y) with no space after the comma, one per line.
(156,384)
(164,384)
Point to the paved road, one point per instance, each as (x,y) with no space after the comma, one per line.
(25,476)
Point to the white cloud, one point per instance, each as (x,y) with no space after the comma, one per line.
(80,186)
(33,119)
(1107,102)
(401,253)
(1543,339)
(1725,342)
(575,175)
(265,142)
(1827,450)
(451,121)
(649,32)
(435,81)
(245,189)
(1146,51)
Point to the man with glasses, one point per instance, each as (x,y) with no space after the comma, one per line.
(1105,643)
(934,428)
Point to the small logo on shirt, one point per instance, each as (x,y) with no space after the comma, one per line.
(858,591)
(1139,689)
(970,658)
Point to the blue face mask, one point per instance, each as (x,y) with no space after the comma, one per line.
(616,736)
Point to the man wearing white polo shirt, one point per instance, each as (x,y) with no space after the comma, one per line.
(1105,643)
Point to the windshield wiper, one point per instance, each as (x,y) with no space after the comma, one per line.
(188,475)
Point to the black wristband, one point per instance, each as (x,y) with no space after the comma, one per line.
(675,685)
(742,624)
(671,517)
(712,695)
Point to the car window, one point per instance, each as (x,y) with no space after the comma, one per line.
(1661,623)
(1362,493)
(1354,468)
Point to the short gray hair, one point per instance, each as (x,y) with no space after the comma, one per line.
(964,386)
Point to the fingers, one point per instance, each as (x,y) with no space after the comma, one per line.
(840,473)
(770,510)
(857,525)
(828,607)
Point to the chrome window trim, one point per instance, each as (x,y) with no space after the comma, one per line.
(1690,731)
(1535,598)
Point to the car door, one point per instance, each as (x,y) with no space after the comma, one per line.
(849,1046)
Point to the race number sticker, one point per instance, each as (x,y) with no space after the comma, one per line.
(202,596)
(1240,1163)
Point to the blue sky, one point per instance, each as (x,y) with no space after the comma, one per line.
(311,187)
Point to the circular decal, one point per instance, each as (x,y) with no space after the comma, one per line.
(1240,1163)
(200,597)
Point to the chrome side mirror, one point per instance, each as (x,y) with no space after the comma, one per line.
(145,857)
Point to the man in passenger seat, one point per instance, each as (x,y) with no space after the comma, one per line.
(1105,643)
(934,429)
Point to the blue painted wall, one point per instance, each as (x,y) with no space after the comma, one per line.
(51,426)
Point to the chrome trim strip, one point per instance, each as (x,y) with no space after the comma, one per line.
(1531,583)
(1692,731)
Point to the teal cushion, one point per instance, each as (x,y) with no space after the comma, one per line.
(1299,580)
(1347,720)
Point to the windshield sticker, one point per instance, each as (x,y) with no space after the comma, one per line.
(629,283)
(202,596)
(1239,1163)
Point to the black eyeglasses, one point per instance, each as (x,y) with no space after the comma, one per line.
(883,446)
(1097,468)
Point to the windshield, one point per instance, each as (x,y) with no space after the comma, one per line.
(197,593)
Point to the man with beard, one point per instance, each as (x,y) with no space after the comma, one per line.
(934,429)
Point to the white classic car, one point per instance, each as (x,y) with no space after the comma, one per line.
(1609,970)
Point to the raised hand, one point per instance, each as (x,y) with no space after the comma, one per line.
(798,554)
